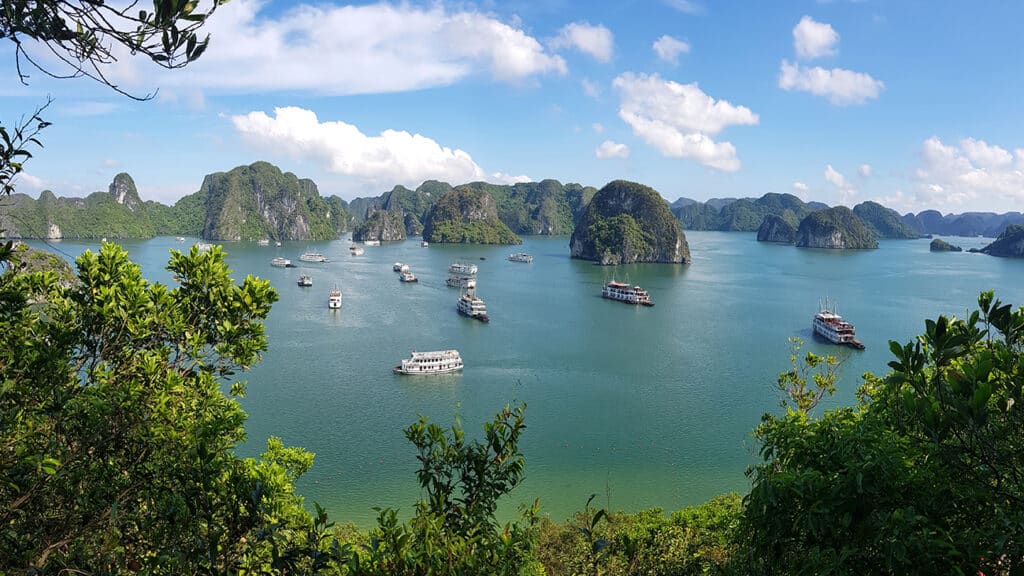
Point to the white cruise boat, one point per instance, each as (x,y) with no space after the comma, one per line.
(399,267)
(461,282)
(626,293)
(334,298)
(473,306)
(520,257)
(830,325)
(371,242)
(439,362)
(312,257)
(462,268)
(202,246)
(407,276)
(305,281)
(424,243)
(263,242)
(281,262)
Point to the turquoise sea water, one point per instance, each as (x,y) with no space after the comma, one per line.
(643,406)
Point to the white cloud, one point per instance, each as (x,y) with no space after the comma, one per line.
(609,149)
(668,48)
(29,184)
(331,49)
(800,187)
(597,127)
(679,119)
(842,87)
(393,157)
(89,108)
(593,40)
(685,6)
(864,170)
(970,175)
(842,185)
(813,39)
(590,89)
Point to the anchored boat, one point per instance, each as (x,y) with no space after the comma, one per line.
(438,362)
(830,325)
(625,293)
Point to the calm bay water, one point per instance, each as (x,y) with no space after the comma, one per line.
(644,406)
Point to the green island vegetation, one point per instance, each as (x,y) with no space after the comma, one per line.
(384,225)
(742,215)
(467,216)
(627,222)
(1009,244)
(119,419)
(836,227)
(776,229)
(884,222)
(940,245)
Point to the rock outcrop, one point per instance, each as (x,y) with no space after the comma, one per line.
(835,228)
(940,245)
(628,222)
(776,229)
(884,222)
(123,191)
(259,201)
(382,225)
(467,216)
(1010,243)
(743,214)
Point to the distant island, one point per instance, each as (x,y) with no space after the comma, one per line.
(627,222)
(940,245)
(468,216)
(1010,243)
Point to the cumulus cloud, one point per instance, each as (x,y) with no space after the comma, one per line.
(609,149)
(393,156)
(679,119)
(864,170)
(813,39)
(842,87)
(597,127)
(332,49)
(685,6)
(800,187)
(970,175)
(668,48)
(843,187)
(590,88)
(595,41)
(29,184)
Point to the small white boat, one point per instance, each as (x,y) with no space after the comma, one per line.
(371,242)
(438,362)
(334,299)
(399,267)
(461,282)
(424,243)
(407,276)
(462,269)
(201,246)
(305,281)
(263,242)
(520,257)
(356,250)
(179,238)
(312,257)
(278,244)
(281,262)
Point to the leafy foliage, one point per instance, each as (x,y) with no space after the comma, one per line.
(924,476)
(117,441)
(628,222)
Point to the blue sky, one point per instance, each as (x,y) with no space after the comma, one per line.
(913,104)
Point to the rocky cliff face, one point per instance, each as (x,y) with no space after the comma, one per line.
(940,245)
(259,201)
(467,216)
(1010,243)
(383,225)
(123,191)
(628,222)
(836,228)
(776,229)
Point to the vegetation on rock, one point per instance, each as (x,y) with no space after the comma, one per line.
(940,245)
(1010,243)
(776,229)
(884,222)
(987,224)
(467,216)
(742,215)
(628,222)
(836,227)
(383,225)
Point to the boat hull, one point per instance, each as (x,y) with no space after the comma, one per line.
(398,370)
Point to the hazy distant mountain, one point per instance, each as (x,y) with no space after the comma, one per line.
(681,202)
(884,222)
(742,215)
(987,224)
